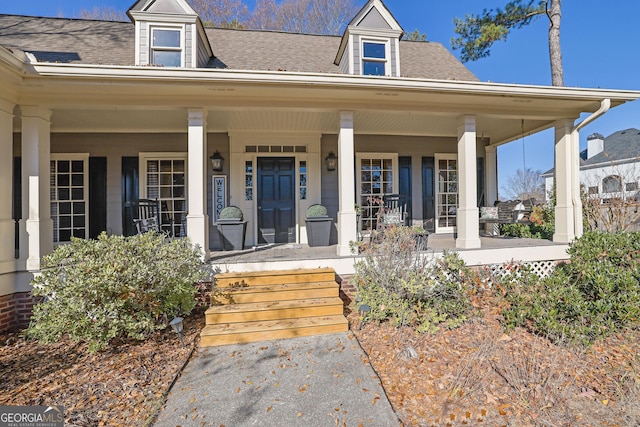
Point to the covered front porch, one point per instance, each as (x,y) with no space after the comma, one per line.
(148,134)
(495,252)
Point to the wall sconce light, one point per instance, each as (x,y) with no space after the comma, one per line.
(217,162)
(332,161)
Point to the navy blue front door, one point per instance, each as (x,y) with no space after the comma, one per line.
(276,200)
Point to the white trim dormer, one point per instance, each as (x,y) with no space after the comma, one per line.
(373,24)
(155,20)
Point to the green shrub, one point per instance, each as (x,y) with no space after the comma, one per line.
(594,295)
(408,288)
(114,287)
(231,212)
(317,211)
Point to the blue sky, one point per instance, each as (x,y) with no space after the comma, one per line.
(600,44)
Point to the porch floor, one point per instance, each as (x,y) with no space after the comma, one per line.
(494,250)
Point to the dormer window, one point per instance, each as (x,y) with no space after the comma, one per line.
(374,58)
(166,47)
(370,45)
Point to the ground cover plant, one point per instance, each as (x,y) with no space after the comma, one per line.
(595,294)
(408,288)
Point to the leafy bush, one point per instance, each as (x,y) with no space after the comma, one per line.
(594,295)
(316,211)
(408,288)
(231,212)
(542,225)
(114,287)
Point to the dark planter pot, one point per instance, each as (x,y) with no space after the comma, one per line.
(319,230)
(232,233)
(421,241)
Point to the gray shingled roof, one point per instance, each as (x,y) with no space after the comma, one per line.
(620,145)
(112,43)
(70,40)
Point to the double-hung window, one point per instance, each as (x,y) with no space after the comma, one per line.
(166,47)
(374,58)
(69,196)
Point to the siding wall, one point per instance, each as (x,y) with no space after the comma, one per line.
(203,55)
(144,43)
(188,46)
(392,61)
(357,69)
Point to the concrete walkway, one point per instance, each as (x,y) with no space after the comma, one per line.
(312,382)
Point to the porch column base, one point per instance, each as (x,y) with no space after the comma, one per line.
(468,229)
(40,233)
(7,246)
(347,232)
(564,226)
(197,228)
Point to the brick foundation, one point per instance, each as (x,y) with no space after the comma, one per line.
(15,311)
(347,289)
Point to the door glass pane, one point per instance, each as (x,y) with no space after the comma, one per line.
(376,180)
(447,197)
(169,188)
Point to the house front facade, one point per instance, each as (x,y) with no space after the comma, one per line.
(95,115)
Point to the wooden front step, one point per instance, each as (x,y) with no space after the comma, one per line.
(256,306)
(238,333)
(275,277)
(273,310)
(276,293)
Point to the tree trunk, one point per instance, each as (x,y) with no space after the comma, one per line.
(555,54)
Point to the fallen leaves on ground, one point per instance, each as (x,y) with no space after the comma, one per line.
(124,385)
(478,374)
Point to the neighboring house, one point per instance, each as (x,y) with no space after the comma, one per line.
(609,167)
(98,114)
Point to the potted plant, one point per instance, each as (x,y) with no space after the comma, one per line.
(318,225)
(420,236)
(232,228)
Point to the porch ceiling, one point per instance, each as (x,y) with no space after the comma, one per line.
(412,123)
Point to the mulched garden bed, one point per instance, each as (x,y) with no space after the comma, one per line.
(124,385)
(478,375)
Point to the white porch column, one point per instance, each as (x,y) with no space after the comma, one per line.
(347,226)
(197,218)
(491,174)
(575,184)
(7,226)
(36,227)
(467,221)
(565,227)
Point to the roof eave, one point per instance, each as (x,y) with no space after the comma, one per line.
(470,87)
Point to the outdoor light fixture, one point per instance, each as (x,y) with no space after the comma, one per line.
(332,161)
(217,161)
(363,310)
(176,325)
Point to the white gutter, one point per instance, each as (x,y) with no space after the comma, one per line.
(383,84)
(605,104)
